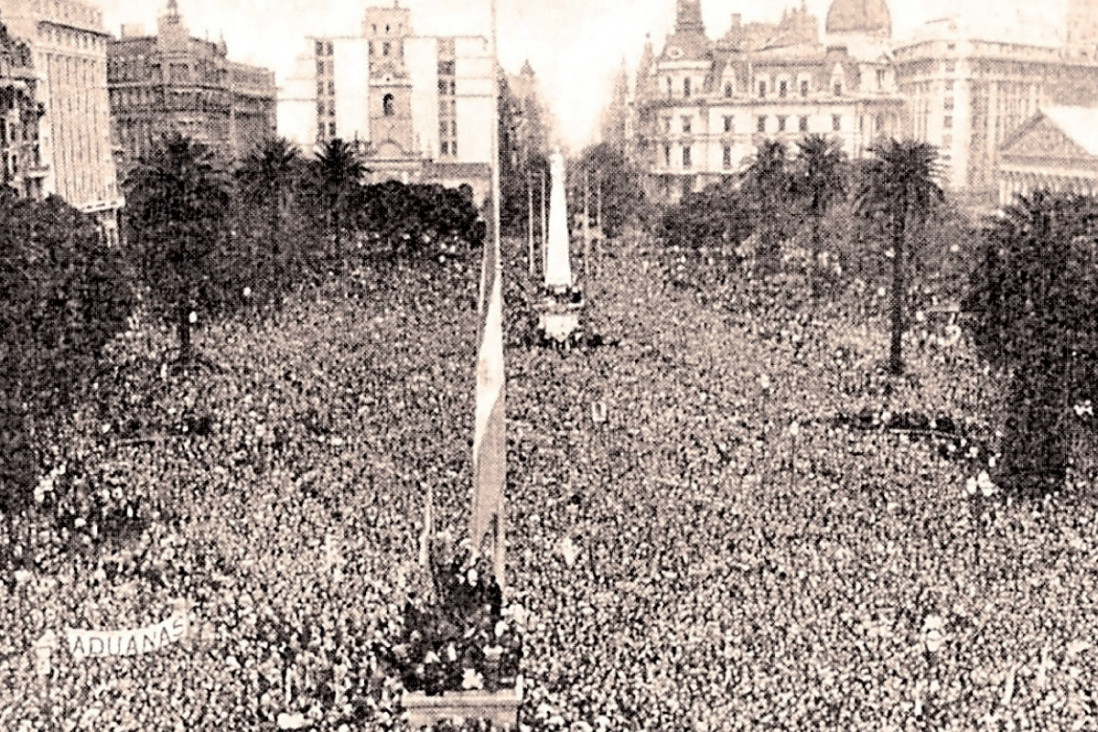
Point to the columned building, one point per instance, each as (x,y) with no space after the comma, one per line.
(418,108)
(68,46)
(967,94)
(171,82)
(1055,150)
(21,165)
(703,107)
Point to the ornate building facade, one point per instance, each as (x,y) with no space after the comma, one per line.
(419,108)
(702,107)
(68,46)
(173,82)
(966,94)
(20,155)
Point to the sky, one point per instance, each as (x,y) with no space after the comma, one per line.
(575,46)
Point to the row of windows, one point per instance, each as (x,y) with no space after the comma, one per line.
(761,123)
(782,88)
(61,36)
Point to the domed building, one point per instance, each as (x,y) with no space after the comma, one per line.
(859,17)
(862,27)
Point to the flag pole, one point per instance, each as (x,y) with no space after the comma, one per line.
(489,438)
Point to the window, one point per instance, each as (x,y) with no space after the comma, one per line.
(443,86)
(445,68)
(728,90)
(320,109)
(761,124)
(371,45)
(320,48)
(328,47)
(880,78)
(949,103)
(444,147)
(332,128)
(879,123)
(686,124)
(762,89)
(686,87)
(385,48)
(443,128)
(804,88)
(666,124)
(836,122)
(837,88)
(686,161)
(781,123)
(802,125)
(728,156)
(947,122)
(387,105)
(783,88)
(667,155)
(728,127)
(454,147)
(320,67)
(331,87)
(669,86)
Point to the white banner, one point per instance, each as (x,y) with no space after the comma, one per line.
(87,643)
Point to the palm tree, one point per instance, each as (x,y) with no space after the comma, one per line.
(768,183)
(339,173)
(266,176)
(900,185)
(178,199)
(821,179)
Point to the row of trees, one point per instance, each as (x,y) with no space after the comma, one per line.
(203,240)
(207,240)
(782,197)
(1027,284)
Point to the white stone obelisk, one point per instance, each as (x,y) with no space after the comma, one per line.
(558,268)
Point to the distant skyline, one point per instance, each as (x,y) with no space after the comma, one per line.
(574,46)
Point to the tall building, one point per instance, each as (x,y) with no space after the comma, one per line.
(174,82)
(703,107)
(69,52)
(616,125)
(419,108)
(967,94)
(20,156)
(534,123)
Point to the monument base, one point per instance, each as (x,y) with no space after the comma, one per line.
(559,318)
(499,707)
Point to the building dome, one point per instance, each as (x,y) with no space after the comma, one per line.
(870,17)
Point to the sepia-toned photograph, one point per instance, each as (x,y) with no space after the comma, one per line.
(559,366)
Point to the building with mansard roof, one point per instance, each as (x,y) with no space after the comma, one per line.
(703,106)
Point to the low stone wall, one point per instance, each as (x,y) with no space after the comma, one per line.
(500,707)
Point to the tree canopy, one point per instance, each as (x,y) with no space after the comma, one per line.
(1032,302)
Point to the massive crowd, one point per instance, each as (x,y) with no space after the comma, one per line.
(696,540)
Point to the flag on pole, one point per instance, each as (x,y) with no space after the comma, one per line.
(486,530)
(489,442)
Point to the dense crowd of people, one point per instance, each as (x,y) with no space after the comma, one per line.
(697,539)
